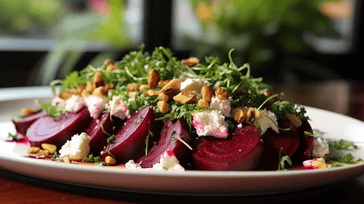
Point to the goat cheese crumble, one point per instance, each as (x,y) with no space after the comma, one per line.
(320,148)
(191,84)
(95,105)
(77,148)
(167,162)
(58,102)
(267,120)
(221,105)
(74,104)
(210,123)
(117,107)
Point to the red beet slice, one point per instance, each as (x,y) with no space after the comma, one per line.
(130,140)
(58,131)
(304,150)
(273,142)
(241,151)
(100,130)
(171,128)
(23,124)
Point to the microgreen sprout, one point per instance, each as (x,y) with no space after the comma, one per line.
(282,160)
(150,133)
(174,139)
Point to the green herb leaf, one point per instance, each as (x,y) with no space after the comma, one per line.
(12,137)
(174,139)
(52,111)
(340,145)
(282,160)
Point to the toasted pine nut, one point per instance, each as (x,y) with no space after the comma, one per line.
(66,159)
(203,104)
(294,120)
(51,148)
(33,150)
(42,152)
(163,106)
(110,160)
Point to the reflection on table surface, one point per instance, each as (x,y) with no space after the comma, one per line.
(16,188)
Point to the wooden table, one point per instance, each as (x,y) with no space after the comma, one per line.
(16,188)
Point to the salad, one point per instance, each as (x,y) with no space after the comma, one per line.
(153,111)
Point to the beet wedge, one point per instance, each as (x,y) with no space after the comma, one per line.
(23,124)
(171,128)
(288,140)
(58,131)
(100,130)
(130,140)
(241,151)
(304,150)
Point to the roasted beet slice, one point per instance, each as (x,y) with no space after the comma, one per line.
(23,124)
(130,140)
(304,150)
(100,130)
(58,131)
(171,128)
(241,151)
(289,140)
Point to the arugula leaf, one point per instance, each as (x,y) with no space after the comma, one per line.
(52,111)
(340,145)
(280,108)
(345,160)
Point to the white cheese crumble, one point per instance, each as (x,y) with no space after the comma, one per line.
(95,105)
(77,148)
(167,162)
(132,165)
(210,123)
(58,102)
(74,104)
(117,107)
(320,148)
(191,84)
(267,120)
(221,105)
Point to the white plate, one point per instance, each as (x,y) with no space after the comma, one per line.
(188,182)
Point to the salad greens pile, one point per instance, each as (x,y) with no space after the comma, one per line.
(134,67)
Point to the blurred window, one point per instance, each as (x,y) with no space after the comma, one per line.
(35,25)
(192,17)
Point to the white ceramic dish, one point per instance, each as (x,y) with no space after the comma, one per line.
(188,182)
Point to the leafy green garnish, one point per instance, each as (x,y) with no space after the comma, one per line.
(282,160)
(150,133)
(280,108)
(174,139)
(12,137)
(92,158)
(347,159)
(52,111)
(139,120)
(55,157)
(111,139)
(340,145)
